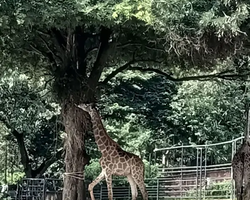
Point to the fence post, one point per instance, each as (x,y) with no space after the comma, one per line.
(197,171)
(181,169)
(100,191)
(232,181)
(44,188)
(200,173)
(205,171)
(129,191)
(157,193)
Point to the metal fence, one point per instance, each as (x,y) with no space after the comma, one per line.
(186,172)
(198,171)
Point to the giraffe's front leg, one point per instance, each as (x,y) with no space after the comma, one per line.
(94,183)
(109,185)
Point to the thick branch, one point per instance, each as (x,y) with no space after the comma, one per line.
(125,67)
(102,55)
(228,74)
(21,145)
(49,56)
(51,51)
(23,152)
(221,75)
(61,42)
(80,40)
(46,164)
(117,71)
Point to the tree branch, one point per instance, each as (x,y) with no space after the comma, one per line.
(102,56)
(126,66)
(49,56)
(117,71)
(139,44)
(21,145)
(51,52)
(221,75)
(46,164)
(23,152)
(60,42)
(80,40)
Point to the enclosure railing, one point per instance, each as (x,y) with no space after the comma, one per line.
(177,180)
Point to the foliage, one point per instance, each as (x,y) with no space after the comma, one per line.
(200,107)
(209,112)
(202,29)
(220,190)
(83,45)
(92,170)
(26,109)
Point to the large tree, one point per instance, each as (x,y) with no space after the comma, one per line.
(77,41)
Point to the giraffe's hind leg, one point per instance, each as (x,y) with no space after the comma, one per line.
(133,186)
(246,193)
(237,176)
(138,177)
(108,177)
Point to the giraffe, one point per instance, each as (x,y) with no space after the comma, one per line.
(241,166)
(114,160)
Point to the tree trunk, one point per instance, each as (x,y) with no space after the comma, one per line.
(24,154)
(75,155)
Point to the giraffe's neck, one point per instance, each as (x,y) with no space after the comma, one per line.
(102,139)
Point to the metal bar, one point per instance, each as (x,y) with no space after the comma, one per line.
(198,146)
(182,150)
(205,170)
(129,192)
(6,163)
(44,188)
(157,193)
(209,166)
(197,171)
(200,172)
(100,191)
(163,162)
(232,182)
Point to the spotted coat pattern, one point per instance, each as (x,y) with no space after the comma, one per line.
(114,160)
(241,171)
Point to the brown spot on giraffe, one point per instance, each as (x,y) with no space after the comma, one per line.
(241,166)
(241,172)
(114,160)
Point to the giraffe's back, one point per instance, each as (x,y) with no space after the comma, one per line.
(121,163)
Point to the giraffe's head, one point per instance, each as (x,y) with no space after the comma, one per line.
(86,107)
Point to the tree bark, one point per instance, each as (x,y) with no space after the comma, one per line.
(24,154)
(75,154)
